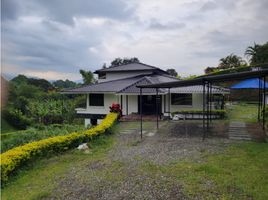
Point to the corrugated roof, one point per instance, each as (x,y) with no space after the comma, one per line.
(199,89)
(136,66)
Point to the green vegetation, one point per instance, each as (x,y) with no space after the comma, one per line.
(37,101)
(6,127)
(257,55)
(14,139)
(220,113)
(238,173)
(243,112)
(15,158)
(38,179)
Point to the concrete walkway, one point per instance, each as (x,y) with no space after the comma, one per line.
(238,131)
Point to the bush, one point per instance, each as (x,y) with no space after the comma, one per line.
(16,157)
(14,139)
(16,118)
(220,113)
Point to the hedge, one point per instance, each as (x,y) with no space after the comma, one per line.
(221,113)
(14,158)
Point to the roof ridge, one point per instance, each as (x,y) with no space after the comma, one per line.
(146,65)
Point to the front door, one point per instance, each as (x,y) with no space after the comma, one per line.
(149,104)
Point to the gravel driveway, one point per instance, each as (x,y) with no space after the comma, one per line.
(129,169)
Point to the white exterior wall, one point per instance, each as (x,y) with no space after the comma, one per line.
(133,104)
(120,75)
(108,100)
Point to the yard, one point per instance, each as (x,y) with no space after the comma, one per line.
(167,164)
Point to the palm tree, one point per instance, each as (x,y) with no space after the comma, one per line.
(87,76)
(231,61)
(252,53)
(258,54)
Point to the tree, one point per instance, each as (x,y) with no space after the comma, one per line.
(172,72)
(257,54)
(87,76)
(231,61)
(124,61)
(64,84)
(104,66)
(209,70)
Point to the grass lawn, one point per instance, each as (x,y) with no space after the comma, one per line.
(6,127)
(240,172)
(243,112)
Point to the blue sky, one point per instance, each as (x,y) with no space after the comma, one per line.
(54,39)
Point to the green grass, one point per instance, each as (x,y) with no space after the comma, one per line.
(17,138)
(39,178)
(243,112)
(6,127)
(239,173)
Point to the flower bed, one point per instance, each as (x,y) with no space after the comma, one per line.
(14,158)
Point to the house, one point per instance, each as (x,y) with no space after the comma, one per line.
(118,85)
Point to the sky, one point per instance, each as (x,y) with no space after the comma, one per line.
(53,39)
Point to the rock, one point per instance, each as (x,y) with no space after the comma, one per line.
(83,146)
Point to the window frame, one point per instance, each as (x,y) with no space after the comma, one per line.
(97,103)
(183,99)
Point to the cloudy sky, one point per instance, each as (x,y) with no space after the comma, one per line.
(53,39)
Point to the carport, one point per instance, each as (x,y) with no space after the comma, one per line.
(207,82)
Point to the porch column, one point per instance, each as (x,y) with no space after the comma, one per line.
(264,102)
(259,100)
(169,102)
(141,110)
(126,104)
(204,105)
(121,103)
(156,103)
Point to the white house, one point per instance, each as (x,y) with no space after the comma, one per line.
(118,85)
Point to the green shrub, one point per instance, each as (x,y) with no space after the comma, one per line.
(221,113)
(14,139)
(16,118)
(14,158)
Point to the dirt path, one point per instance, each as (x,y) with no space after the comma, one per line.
(129,170)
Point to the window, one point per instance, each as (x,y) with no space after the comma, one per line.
(102,75)
(96,100)
(181,99)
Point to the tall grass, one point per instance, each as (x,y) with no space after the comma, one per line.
(14,139)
